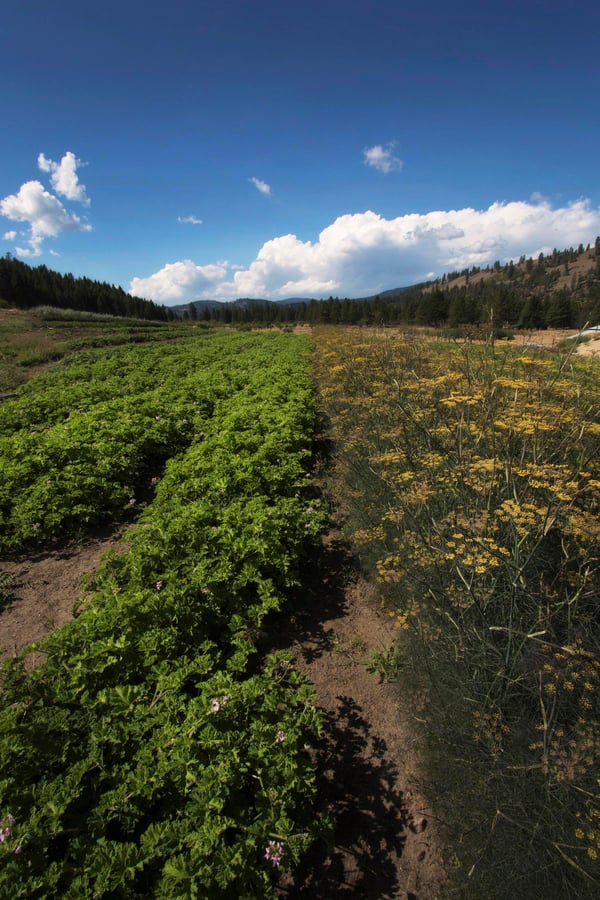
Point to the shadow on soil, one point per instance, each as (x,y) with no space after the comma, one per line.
(354,776)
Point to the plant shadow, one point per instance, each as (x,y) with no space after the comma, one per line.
(356,784)
(356,780)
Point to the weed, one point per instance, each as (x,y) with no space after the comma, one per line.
(387,663)
(7,581)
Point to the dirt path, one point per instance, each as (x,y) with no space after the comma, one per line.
(386,843)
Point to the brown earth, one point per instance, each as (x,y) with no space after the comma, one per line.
(551,337)
(387,842)
(44,588)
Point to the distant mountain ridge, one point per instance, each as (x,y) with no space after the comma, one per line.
(559,289)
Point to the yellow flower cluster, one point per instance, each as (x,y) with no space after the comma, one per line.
(588,830)
(478,471)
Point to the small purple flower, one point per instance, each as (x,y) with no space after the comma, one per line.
(18,850)
(280,737)
(158,585)
(274,853)
(132,501)
(217,704)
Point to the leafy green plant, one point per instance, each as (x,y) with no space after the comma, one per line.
(153,754)
(387,663)
(7,580)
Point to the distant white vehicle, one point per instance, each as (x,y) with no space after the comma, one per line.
(592,330)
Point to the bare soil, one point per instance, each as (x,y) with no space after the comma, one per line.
(44,589)
(551,337)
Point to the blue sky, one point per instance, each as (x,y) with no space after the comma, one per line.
(262,148)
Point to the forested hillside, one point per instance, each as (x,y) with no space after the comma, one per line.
(560,290)
(27,286)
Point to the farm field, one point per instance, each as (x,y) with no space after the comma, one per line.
(152,753)
(469,480)
(441,694)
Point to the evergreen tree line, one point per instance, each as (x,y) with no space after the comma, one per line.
(550,291)
(526,294)
(27,286)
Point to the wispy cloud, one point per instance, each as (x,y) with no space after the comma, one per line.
(64,178)
(189,220)
(261,186)
(382,158)
(365,253)
(9,235)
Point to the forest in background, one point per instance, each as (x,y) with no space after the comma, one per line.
(558,290)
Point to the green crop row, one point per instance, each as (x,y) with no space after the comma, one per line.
(152,754)
(85,442)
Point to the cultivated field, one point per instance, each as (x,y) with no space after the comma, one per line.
(433,731)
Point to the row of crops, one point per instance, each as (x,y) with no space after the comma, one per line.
(470,475)
(154,752)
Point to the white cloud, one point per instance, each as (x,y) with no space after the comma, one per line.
(178,282)
(63,176)
(363,253)
(537,197)
(189,220)
(9,235)
(261,186)
(43,212)
(382,158)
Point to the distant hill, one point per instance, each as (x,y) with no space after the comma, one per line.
(560,289)
(27,286)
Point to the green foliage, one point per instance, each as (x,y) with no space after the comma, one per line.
(26,286)
(6,588)
(152,754)
(387,663)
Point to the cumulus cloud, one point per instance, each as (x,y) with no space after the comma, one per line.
(64,178)
(261,186)
(43,212)
(189,220)
(363,253)
(178,282)
(382,158)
